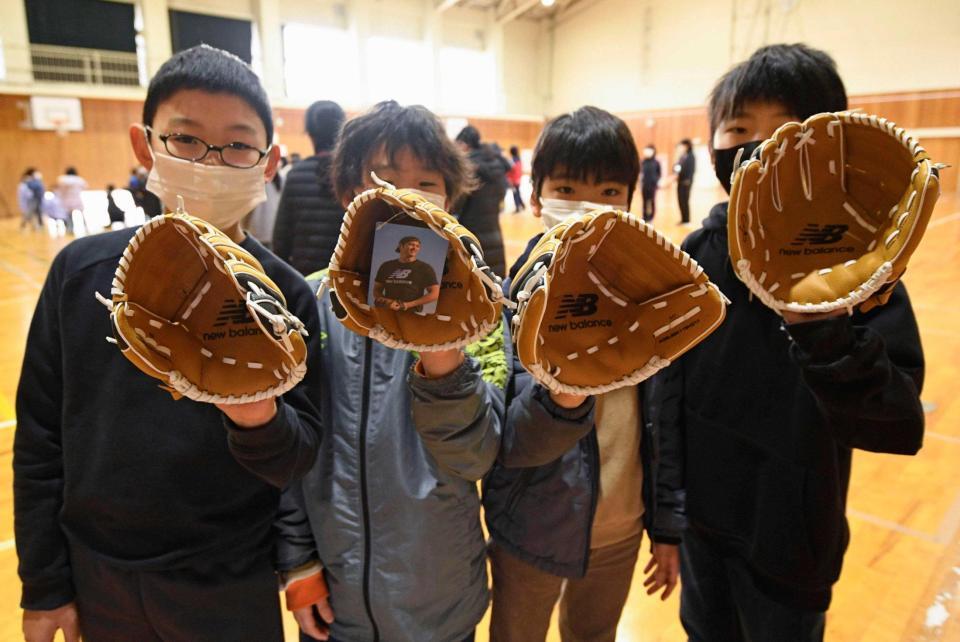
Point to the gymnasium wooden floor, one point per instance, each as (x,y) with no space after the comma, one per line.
(901,580)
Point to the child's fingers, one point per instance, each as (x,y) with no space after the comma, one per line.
(308,623)
(650,564)
(323,608)
(671,585)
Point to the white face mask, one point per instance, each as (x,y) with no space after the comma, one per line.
(218,194)
(555,210)
(437,199)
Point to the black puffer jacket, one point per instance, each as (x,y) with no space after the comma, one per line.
(770,414)
(480,212)
(308,217)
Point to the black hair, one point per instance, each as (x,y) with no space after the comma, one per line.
(514,151)
(324,119)
(71,171)
(802,79)
(29,171)
(686,143)
(405,240)
(588,144)
(469,136)
(390,127)
(208,69)
(110,188)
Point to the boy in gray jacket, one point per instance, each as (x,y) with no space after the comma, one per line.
(390,508)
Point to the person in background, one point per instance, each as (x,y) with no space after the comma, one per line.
(70,186)
(28,201)
(260,222)
(514,176)
(309,215)
(113,210)
(683,171)
(480,211)
(649,180)
(145,198)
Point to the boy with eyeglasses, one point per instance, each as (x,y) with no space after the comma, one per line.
(138,517)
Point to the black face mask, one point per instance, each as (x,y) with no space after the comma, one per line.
(723,160)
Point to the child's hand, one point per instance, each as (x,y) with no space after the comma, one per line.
(316,627)
(250,415)
(434,365)
(805,317)
(567,400)
(662,570)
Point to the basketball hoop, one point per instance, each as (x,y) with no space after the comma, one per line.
(60,125)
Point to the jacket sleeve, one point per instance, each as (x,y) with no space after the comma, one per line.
(283,450)
(38,477)
(866,373)
(284,225)
(670,518)
(538,431)
(459,416)
(295,545)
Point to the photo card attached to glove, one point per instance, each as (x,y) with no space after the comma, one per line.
(407,266)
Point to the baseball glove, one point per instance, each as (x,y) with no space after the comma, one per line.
(605,301)
(826,214)
(470,293)
(193,309)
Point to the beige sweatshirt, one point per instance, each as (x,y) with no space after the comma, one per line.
(620,507)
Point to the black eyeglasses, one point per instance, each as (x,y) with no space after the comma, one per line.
(191,148)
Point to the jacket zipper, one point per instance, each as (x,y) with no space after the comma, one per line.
(364,411)
(594,493)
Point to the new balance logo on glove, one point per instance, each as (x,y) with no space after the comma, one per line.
(233,312)
(581,305)
(813,234)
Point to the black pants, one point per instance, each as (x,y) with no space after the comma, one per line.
(683,200)
(719,600)
(517,199)
(235,601)
(649,202)
(306,638)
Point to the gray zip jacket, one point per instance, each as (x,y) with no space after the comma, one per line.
(390,507)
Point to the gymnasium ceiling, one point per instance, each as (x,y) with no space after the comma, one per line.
(507,10)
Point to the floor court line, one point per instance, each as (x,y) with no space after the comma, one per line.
(943,220)
(894,526)
(941,437)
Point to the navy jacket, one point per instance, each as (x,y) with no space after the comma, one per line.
(541,496)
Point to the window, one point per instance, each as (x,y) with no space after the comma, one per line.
(191,29)
(321,63)
(400,70)
(467,81)
(90,24)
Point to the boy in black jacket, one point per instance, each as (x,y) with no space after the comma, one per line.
(144,517)
(578,479)
(772,407)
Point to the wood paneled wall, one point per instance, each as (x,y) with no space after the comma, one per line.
(101,153)
(913,110)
